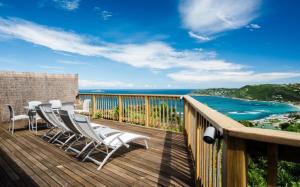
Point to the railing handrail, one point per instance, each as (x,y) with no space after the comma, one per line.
(214,163)
(141,95)
(236,129)
(218,120)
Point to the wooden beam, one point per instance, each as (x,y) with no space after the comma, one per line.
(94,105)
(234,162)
(147,110)
(120,103)
(272,165)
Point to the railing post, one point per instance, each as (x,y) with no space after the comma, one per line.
(94,105)
(234,162)
(198,148)
(147,111)
(272,165)
(186,116)
(120,102)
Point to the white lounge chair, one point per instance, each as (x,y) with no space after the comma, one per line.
(55,105)
(53,119)
(51,127)
(14,118)
(33,116)
(68,106)
(67,118)
(111,143)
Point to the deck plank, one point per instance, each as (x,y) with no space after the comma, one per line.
(167,162)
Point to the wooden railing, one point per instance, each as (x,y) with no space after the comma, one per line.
(223,163)
(159,111)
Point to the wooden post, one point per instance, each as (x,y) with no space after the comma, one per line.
(272,165)
(94,105)
(198,153)
(147,111)
(234,162)
(186,117)
(120,102)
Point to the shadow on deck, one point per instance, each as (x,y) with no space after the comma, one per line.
(28,160)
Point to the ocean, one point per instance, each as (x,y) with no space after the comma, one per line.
(234,108)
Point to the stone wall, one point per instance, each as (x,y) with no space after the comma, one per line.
(19,88)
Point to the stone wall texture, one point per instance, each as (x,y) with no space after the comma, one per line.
(18,89)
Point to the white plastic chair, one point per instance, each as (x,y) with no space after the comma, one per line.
(55,105)
(14,118)
(35,117)
(85,108)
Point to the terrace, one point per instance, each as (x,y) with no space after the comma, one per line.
(26,159)
(177,154)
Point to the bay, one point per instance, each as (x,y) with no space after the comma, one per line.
(235,108)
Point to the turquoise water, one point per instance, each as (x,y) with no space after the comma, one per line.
(234,108)
(245,110)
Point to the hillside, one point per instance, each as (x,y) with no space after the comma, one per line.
(263,92)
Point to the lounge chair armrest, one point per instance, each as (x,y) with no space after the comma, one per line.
(118,137)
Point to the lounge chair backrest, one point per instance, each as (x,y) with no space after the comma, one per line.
(11,111)
(33,104)
(65,116)
(83,123)
(41,114)
(55,103)
(68,106)
(47,110)
(86,105)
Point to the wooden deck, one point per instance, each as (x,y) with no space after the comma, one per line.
(28,160)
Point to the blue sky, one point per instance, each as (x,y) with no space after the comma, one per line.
(154,44)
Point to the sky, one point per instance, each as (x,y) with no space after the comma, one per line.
(154,44)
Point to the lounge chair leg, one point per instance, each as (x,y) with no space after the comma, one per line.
(85,147)
(58,133)
(13,127)
(48,132)
(146,144)
(88,154)
(106,158)
(72,143)
(29,125)
(35,125)
(57,137)
(67,141)
(9,126)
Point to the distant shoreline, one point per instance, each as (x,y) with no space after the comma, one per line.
(244,99)
(296,105)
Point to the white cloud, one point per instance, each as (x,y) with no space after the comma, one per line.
(230,76)
(186,65)
(106,15)
(71,62)
(55,39)
(69,5)
(51,67)
(210,17)
(253,26)
(199,37)
(103,84)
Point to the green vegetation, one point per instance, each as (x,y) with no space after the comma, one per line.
(288,172)
(263,92)
(293,125)
(162,116)
(247,123)
(257,174)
